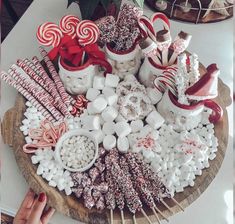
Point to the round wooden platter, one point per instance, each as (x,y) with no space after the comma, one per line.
(71,206)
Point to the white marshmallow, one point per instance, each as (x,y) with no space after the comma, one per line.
(123,144)
(68,190)
(99,104)
(155,120)
(109,113)
(91,122)
(122,129)
(98,82)
(108,128)
(90,109)
(109,142)
(111,80)
(120,118)
(110,95)
(136,125)
(154,95)
(98,135)
(92,94)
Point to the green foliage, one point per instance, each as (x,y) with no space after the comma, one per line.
(87,7)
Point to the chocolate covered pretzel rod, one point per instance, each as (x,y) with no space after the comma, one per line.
(179,45)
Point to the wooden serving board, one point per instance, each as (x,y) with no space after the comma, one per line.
(71,206)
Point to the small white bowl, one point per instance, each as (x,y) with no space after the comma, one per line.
(69,134)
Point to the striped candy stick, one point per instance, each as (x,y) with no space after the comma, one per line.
(10,81)
(50,87)
(38,92)
(28,84)
(67,99)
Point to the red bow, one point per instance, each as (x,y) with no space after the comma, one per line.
(92,51)
(70,50)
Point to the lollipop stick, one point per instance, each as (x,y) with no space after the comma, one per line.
(111,216)
(186,3)
(176,202)
(166,205)
(159,211)
(122,216)
(156,215)
(145,215)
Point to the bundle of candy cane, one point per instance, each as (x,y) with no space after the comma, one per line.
(122,181)
(45,91)
(72,39)
(158,44)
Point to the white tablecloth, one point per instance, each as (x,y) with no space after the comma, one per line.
(212,42)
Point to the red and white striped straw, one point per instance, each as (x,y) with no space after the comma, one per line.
(67,99)
(10,81)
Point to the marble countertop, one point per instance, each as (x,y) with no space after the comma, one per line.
(212,42)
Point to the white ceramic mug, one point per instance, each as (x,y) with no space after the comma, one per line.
(77,80)
(124,62)
(149,70)
(186,117)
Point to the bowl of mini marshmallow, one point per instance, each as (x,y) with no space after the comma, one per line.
(76,150)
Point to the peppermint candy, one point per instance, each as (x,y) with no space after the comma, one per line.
(87,32)
(49,34)
(68,25)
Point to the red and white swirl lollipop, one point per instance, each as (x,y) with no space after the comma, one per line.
(87,32)
(49,34)
(68,25)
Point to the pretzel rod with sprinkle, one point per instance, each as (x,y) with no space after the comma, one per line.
(10,81)
(67,99)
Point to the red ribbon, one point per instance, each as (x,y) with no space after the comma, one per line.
(70,50)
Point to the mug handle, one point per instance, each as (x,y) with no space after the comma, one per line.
(103,63)
(217,110)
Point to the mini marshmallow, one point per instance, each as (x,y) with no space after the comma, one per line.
(120,118)
(109,142)
(99,104)
(111,80)
(92,94)
(123,144)
(98,135)
(91,122)
(108,128)
(154,94)
(90,109)
(155,120)
(109,113)
(98,82)
(122,129)
(136,125)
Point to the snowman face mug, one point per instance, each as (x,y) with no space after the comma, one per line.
(186,117)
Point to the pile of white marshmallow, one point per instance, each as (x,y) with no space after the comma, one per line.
(52,171)
(102,117)
(77,151)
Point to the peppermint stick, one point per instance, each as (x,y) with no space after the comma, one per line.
(67,99)
(50,87)
(10,81)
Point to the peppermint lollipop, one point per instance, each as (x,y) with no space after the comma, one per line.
(49,34)
(87,32)
(68,25)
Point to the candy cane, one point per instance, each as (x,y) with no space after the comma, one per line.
(49,34)
(68,25)
(87,32)
(10,81)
